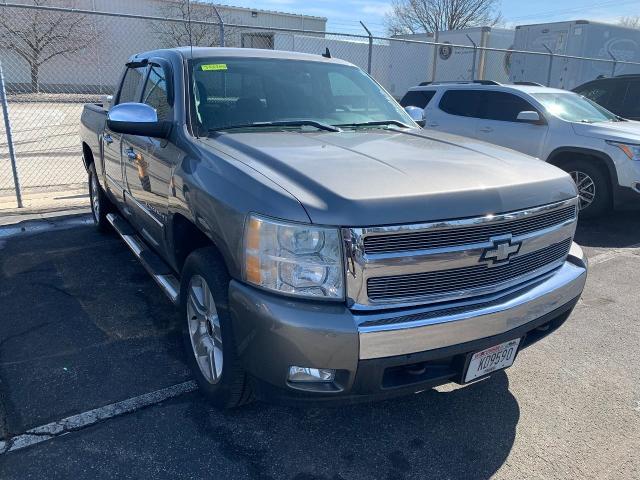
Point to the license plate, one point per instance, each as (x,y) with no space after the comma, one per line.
(492,359)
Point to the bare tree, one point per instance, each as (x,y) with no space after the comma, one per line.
(419,16)
(631,21)
(176,34)
(39,36)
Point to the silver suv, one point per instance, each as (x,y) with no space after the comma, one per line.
(599,149)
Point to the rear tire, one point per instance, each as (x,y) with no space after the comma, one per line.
(594,187)
(100,204)
(208,330)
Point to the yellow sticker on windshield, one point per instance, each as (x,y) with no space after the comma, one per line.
(211,67)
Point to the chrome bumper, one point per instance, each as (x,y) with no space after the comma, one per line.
(387,335)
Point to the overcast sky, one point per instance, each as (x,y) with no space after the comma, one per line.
(344,15)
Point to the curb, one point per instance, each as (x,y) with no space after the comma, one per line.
(43,222)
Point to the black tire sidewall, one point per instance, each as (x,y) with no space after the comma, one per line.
(208,264)
(602,201)
(101,220)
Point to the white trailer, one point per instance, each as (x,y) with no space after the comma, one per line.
(460,63)
(413,63)
(579,38)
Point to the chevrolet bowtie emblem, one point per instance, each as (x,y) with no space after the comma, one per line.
(500,252)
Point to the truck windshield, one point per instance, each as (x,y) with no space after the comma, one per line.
(574,108)
(247,93)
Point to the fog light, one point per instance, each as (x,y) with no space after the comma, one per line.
(304,374)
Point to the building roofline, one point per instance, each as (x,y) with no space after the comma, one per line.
(259,10)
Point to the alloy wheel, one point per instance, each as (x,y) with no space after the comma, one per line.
(204,329)
(586,188)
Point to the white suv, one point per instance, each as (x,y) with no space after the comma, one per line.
(600,150)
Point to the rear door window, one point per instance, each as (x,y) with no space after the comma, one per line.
(504,107)
(417,98)
(463,103)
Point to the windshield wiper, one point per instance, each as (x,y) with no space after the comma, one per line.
(397,123)
(281,123)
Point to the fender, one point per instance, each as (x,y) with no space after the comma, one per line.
(611,167)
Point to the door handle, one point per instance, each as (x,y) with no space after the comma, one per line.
(108,139)
(131,155)
(486,129)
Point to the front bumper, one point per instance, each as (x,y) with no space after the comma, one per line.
(388,353)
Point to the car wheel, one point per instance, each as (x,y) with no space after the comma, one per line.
(594,189)
(208,330)
(100,204)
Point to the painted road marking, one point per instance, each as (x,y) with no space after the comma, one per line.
(91,417)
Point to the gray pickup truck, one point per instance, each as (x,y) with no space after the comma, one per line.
(319,244)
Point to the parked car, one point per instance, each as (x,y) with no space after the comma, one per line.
(600,150)
(620,95)
(322,246)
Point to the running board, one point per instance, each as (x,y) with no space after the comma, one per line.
(151,261)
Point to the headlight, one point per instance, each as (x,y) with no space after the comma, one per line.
(630,150)
(296,259)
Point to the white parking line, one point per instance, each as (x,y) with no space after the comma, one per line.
(85,419)
(613,253)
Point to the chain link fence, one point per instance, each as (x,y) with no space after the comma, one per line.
(57,59)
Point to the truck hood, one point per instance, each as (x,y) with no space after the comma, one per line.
(380,177)
(628,131)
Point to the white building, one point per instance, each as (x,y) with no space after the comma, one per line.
(97,67)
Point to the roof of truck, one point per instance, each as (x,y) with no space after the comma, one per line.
(206,52)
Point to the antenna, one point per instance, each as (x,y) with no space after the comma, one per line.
(189,25)
(327,53)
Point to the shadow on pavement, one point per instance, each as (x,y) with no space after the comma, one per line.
(464,433)
(614,230)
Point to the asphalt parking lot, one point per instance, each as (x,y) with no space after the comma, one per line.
(82,326)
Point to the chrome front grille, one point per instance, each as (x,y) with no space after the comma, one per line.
(452,260)
(465,278)
(465,235)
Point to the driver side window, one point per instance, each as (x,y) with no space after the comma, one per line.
(130,90)
(504,107)
(155,93)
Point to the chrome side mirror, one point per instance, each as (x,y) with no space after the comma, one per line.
(528,116)
(416,114)
(136,119)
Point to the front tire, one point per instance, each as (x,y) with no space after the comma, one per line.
(208,330)
(100,204)
(594,187)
